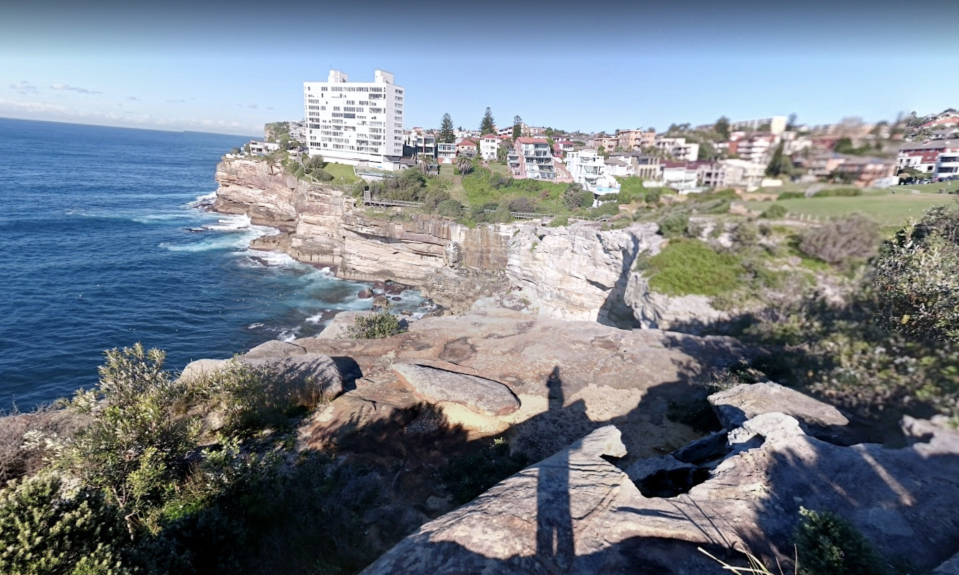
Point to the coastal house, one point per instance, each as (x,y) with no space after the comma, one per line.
(532,159)
(489,144)
(864,171)
(262,148)
(680,176)
(635,139)
(422,143)
(938,158)
(677,148)
(355,123)
(445,153)
(743,173)
(754,147)
(467,147)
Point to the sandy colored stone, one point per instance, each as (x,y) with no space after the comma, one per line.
(745,401)
(475,393)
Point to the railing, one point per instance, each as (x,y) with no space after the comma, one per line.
(370,201)
(596,219)
(526,215)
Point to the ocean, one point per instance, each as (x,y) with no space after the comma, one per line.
(103,245)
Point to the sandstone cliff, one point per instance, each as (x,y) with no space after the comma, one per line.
(574,273)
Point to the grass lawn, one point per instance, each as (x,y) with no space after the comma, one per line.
(933,188)
(890,210)
(455,188)
(342,174)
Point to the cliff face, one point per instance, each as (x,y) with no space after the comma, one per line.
(574,273)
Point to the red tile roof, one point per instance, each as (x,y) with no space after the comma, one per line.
(531,141)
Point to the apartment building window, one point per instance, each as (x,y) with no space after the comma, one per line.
(351,102)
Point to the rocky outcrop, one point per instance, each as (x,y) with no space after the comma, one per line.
(577,513)
(475,393)
(746,401)
(653,310)
(579,272)
(312,375)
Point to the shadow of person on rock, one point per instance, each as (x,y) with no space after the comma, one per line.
(555,546)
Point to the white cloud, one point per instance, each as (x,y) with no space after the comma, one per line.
(24,87)
(61,86)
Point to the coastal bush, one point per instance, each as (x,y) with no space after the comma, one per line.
(433,199)
(687,267)
(322,175)
(774,212)
(376,325)
(745,235)
(917,275)
(45,532)
(576,197)
(559,221)
(674,225)
(838,193)
(605,209)
(522,204)
(840,240)
(829,545)
(470,475)
(653,196)
(791,196)
(450,208)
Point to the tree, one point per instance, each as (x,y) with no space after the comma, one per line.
(917,277)
(722,127)
(487,125)
(447,136)
(780,164)
(791,124)
(464,164)
(517,127)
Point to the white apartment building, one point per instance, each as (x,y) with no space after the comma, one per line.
(586,167)
(489,144)
(355,123)
(678,148)
(445,153)
(742,173)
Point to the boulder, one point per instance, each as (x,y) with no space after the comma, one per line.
(365,294)
(476,393)
(202,368)
(704,449)
(745,401)
(312,372)
(645,468)
(340,324)
(773,426)
(274,348)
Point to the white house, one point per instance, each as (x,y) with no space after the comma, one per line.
(262,148)
(678,148)
(742,173)
(445,153)
(355,123)
(489,144)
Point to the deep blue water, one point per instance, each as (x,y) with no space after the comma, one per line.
(97,253)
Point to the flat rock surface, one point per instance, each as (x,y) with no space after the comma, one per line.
(476,393)
(576,513)
(313,371)
(569,377)
(745,401)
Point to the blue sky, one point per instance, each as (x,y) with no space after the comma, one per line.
(231,67)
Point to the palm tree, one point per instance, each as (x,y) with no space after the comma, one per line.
(425,165)
(464,164)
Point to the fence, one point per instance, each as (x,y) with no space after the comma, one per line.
(526,215)
(370,201)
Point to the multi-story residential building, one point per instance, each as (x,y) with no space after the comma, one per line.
(467,147)
(755,147)
(262,148)
(680,176)
(743,174)
(356,123)
(608,143)
(939,158)
(586,167)
(643,166)
(508,130)
(636,139)
(531,158)
(298,131)
(445,153)
(422,144)
(489,144)
(865,171)
(678,148)
(776,125)
(711,174)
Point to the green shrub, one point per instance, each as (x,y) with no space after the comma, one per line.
(745,234)
(322,175)
(687,267)
(791,196)
(43,532)
(917,276)
(838,193)
(840,240)
(774,212)
(605,209)
(558,221)
(375,325)
(829,545)
(469,476)
(653,196)
(434,198)
(522,204)
(450,208)
(674,225)
(576,197)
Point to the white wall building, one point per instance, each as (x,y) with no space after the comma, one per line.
(489,144)
(678,148)
(742,173)
(355,123)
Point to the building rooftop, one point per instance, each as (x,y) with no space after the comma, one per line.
(531,141)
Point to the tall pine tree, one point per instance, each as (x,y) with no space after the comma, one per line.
(517,127)
(488,125)
(447,136)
